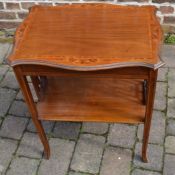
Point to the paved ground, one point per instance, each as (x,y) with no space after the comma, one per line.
(86,148)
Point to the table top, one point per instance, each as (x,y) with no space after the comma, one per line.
(89,37)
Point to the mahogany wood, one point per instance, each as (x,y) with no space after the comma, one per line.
(89,37)
(32,108)
(120,73)
(149,108)
(89,63)
(90,99)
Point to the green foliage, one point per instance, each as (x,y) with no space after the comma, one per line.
(170,39)
(6,36)
(6,40)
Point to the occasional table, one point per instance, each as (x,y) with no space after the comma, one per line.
(89,62)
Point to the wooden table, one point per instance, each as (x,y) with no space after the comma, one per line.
(90,62)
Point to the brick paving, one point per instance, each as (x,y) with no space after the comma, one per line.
(86,148)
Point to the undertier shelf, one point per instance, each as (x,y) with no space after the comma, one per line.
(92,99)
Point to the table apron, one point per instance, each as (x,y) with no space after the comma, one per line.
(120,73)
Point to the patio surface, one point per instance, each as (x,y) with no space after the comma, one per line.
(86,148)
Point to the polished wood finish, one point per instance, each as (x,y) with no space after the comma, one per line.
(119,73)
(90,99)
(22,80)
(89,37)
(90,62)
(151,87)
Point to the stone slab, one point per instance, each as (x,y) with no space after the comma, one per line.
(30,146)
(154,155)
(20,96)
(47,125)
(160,96)
(162,74)
(61,153)
(169,162)
(171,108)
(144,172)
(77,173)
(116,161)
(20,109)
(88,154)
(8,96)
(171,83)
(3,70)
(157,131)
(5,61)
(95,128)
(122,135)
(1,119)
(170,130)
(170,144)
(7,148)
(67,130)
(23,165)
(13,127)
(168,55)
(3,51)
(10,81)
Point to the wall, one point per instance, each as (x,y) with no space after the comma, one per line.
(12,12)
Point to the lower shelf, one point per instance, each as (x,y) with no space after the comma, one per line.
(92,99)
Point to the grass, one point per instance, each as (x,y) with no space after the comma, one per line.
(6,40)
(170,39)
(6,36)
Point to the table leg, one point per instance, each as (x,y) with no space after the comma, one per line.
(151,87)
(32,108)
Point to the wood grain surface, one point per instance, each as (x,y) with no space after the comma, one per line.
(92,99)
(66,51)
(89,37)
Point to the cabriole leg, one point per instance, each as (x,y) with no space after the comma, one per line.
(32,108)
(151,87)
